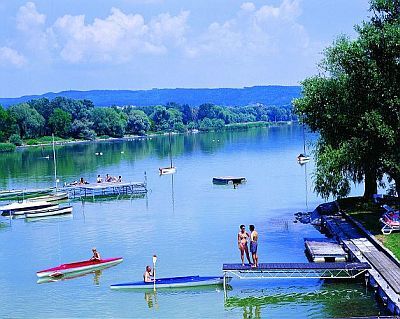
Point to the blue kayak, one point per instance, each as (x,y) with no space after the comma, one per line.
(173,282)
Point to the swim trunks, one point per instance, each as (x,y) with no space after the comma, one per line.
(253,247)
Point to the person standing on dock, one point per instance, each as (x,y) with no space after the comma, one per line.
(243,237)
(253,245)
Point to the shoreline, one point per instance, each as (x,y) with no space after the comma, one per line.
(239,126)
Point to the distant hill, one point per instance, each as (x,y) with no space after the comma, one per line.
(270,95)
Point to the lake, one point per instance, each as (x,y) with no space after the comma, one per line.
(187,221)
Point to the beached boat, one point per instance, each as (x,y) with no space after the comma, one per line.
(50,212)
(16,209)
(80,266)
(173,282)
(171,169)
(229,180)
(55,197)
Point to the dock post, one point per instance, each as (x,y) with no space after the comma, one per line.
(225,291)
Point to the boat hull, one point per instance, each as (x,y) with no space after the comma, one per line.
(223,180)
(50,212)
(76,267)
(174,282)
(167,170)
(16,209)
(51,197)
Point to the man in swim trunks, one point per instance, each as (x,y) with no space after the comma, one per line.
(253,245)
(243,238)
(148,275)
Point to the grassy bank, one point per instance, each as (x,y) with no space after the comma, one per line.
(7,147)
(368,214)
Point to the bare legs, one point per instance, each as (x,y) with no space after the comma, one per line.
(255,259)
(244,249)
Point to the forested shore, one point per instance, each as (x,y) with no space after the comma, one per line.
(31,123)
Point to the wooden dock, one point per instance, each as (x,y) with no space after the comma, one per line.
(384,272)
(323,250)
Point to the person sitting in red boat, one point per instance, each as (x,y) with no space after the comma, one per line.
(96,255)
(148,275)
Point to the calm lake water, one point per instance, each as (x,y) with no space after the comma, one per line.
(187,221)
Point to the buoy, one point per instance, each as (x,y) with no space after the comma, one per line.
(122,152)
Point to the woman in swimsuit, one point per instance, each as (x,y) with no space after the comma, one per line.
(243,238)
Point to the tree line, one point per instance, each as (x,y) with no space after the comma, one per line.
(80,119)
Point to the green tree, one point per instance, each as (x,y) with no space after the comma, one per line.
(355,105)
(160,117)
(29,122)
(6,125)
(109,121)
(138,122)
(60,122)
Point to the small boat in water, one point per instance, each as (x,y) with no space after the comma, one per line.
(58,196)
(167,170)
(50,212)
(171,169)
(80,266)
(173,282)
(303,158)
(15,209)
(25,193)
(228,180)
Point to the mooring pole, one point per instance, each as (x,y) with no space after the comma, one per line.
(225,291)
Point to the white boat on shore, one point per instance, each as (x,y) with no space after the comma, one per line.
(50,212)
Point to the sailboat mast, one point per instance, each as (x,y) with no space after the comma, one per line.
(304,140)
(55,165)
(170,149)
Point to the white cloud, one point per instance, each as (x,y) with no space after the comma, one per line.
(10,56)
(248,6)
(118,37)
(29,18)
(268,30)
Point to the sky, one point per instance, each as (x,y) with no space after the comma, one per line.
(56,45)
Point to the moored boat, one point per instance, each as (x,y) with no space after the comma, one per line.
(167,170)
(80,266)
(16,209)
(171,169)
(58,196)
(303,158)
(25,193)
(50,212)
(173,282)
(229,180)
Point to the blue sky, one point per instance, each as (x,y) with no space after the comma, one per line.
(55,45)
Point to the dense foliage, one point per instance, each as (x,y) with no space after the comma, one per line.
(355,106)
(68,118)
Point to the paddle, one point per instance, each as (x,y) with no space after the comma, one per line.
(154,271)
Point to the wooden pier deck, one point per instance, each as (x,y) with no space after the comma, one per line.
(322,250)
(384,271)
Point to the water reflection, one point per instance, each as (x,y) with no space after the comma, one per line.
(151,299)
